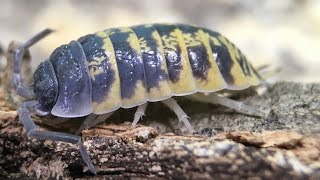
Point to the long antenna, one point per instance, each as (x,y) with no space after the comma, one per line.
(21,89)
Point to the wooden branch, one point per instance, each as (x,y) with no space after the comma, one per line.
(284,145)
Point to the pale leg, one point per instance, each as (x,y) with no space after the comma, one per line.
(182,116)
(92,120)
(139,113)
(236,105)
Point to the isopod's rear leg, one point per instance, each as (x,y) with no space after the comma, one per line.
(236,105)
(33,132)
(92,120)
(183,117)
(138,115)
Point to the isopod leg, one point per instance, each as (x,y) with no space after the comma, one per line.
(86,123)
(33,132)
(236,105)
(138,115)
(21,89)
(183,117)
(92,120)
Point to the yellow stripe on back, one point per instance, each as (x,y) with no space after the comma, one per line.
(252,75)
(239,79)
(130,64)
(163,90)
(215,79)
(180,73)
(112,100)
(247,69)
(155,67)
(205,69)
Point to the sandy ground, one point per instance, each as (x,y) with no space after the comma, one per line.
(284,34)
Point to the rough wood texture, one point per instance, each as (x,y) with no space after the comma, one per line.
(119,151)
(283,145)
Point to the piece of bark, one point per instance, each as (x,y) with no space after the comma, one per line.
(121,152)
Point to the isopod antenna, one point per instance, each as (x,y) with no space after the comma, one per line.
(21,89)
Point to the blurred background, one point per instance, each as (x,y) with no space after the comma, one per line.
(282,33)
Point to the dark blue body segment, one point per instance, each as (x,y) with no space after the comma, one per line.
(223,58)
(152,58)
(171,49)
(129,63)
(70,65)
(197,53)
(98,62)
(45,86)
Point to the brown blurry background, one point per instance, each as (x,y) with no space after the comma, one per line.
(282,33)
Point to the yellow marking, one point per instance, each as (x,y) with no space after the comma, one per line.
(236,52)
(170,41)
(113,100)
(252,78)
(164,89)
(161,92)
(139,97)
(160,49)
(239,79)
(214,80)
(93,66)
(186,83)
(109,32)
(95,63)
(140,94)
(143,45)
(132,39)
(214,40)
(94,71)
(134,42)
(192,40)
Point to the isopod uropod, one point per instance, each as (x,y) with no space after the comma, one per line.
(128,67)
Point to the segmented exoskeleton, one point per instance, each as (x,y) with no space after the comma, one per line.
(128,67)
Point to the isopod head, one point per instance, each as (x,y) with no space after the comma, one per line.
(45,87)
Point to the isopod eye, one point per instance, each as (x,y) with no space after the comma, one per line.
(70,65)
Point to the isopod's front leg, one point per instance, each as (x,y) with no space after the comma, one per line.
(33,132)
(183,117)
(236,105)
